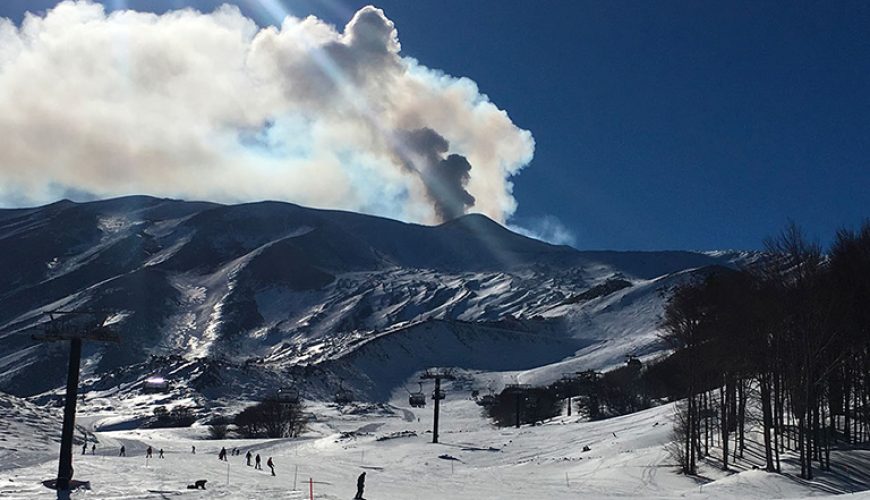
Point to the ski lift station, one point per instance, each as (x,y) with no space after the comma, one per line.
(343,396)
(288,395)
(155,384)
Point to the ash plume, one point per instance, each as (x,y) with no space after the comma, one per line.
(211,106)
(444,177)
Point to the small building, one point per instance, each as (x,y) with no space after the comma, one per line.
(155,384)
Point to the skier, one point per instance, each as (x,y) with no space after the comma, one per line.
(193,449)
(148,452)
(85,448)
(93,449)
(123,451)
(223,454)
(271,465)
(248,457)
(161,453)
(257,462)
(360,486)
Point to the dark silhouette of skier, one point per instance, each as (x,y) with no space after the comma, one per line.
(123,452)
(197,485)
(360,486)
(93,449)
(148,452)
(248,457)
(257,462)
(223,454)
(160,453)
(85,448)
(271,465)
(193,449)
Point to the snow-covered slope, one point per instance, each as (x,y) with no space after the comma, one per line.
(626,458)
(272,291)
(29,433)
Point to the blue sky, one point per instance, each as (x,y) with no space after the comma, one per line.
(658,125)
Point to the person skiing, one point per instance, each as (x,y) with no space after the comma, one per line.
(85,448)
(360,486)
(160,455)
(148,452)
(248,457)
(223,454)
(193,449)
(123,452)
(271,465)
(93,449)
(257,462)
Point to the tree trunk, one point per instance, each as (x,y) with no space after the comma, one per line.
(741,415)
(723,407)
(767,420)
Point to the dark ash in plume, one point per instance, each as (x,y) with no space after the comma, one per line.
(444,178)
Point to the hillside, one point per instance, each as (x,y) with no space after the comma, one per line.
(279,292)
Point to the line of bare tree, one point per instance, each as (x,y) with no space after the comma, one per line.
(791,335)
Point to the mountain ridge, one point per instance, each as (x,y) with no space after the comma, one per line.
(274,282)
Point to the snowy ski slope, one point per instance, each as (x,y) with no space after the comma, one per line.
(627,458)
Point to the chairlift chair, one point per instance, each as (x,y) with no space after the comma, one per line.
(417,399)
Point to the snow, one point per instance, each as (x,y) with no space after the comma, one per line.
(229,302)
(627,458)
(282,285)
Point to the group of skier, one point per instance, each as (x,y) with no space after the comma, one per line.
(222,455)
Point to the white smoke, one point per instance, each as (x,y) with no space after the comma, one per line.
(546,228)
(211,106)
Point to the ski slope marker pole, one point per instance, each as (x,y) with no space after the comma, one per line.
(228,472)
(311,488)
(295,474)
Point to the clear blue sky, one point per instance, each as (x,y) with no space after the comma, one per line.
(659,125)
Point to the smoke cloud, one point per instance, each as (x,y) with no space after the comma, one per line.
(444,178)
(211,106)
(546,228)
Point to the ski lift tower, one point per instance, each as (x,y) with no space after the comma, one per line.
(437,394)
(74,326)
(520,392)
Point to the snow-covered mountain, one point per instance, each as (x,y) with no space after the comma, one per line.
(234,298)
